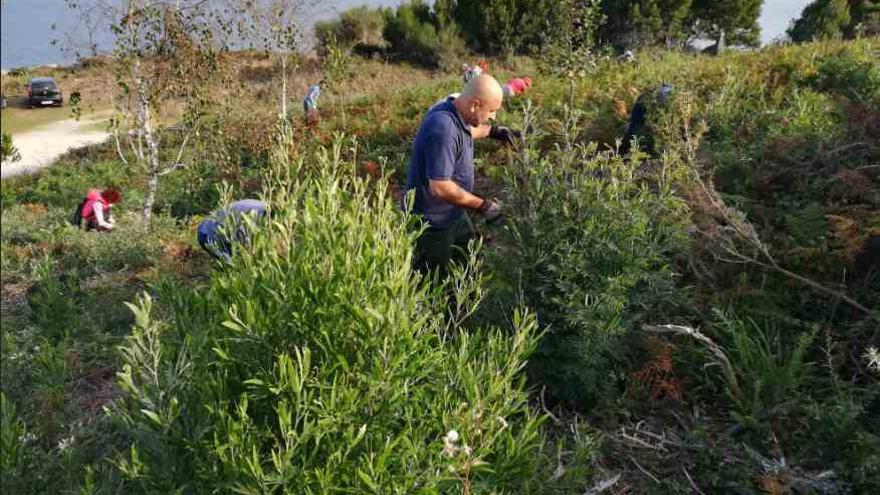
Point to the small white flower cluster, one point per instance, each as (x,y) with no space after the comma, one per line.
(450,447)
(65,443)
(872,355)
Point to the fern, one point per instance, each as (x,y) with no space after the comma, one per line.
(771,370)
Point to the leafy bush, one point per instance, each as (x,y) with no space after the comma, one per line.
(502,25)
(319,361)
(356,27)
(66,183)
(416,34)
(78,252)
(54,303)
(770,370)
(15,456)
(590,248)
(847,74)
(8,152)
(839,435)
(820,19)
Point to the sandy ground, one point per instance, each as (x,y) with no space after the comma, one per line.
(40,147)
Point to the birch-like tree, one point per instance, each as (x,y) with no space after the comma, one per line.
(273,26)
(163,50)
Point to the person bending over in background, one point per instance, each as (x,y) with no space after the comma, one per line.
(471,72)
(441,173)
(214,231)
(310,103)
(639,125)
(95,210)
(517,86)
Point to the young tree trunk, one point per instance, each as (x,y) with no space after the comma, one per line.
(145,130)
(341,100)
(283,84)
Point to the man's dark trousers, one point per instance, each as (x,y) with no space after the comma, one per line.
(438,247)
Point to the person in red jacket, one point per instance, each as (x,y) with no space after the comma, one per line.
(95,209)
(517,86)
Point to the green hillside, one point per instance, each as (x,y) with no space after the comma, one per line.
(705,318)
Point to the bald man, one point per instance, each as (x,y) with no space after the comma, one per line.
(441,172)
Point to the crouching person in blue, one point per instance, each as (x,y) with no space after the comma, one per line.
(214,232)
(641,120)
(440,178)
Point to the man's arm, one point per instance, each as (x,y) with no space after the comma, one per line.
(497,132)
(450,192)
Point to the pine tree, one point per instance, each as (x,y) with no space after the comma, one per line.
(865,18)
(675,14)
(496,26)
(567,48)
(647,21)
(821,19)
(734,21)
(633,23)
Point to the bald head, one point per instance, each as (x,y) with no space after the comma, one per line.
(483,86)
(479,100)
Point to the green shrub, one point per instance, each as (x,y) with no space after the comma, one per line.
(808,116)
(502,25)
(319,362)
(416,34)
(78,252)
(590,247)
(67,182)
(54,303)
(840,436)
(359,26)
(770,369)
(15,456)
(8,152)
(849,75)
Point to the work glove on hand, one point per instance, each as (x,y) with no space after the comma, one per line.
(491,211)
(505,134)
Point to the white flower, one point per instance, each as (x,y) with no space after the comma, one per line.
(872,355)
(452,436)
(449,447)
(65,443)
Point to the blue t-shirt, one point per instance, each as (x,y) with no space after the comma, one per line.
(311,99)
(211,230)
(443,150)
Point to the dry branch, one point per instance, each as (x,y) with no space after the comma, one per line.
(732,225)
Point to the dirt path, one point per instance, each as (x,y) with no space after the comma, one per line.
(40,147)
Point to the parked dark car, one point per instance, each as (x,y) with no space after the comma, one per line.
(42,91)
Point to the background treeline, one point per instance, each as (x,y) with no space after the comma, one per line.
(436,35)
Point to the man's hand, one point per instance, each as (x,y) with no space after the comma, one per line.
(491,211)
(505,135)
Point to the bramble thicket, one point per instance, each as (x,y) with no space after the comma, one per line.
(703,318)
